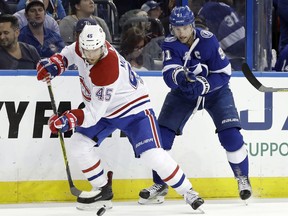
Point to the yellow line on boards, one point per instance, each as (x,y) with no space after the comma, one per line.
(128,189)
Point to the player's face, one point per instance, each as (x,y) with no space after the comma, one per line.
(183,33)
(93,56)
(8,35)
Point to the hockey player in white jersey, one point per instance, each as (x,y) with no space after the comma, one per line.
(115,97)
(199,79)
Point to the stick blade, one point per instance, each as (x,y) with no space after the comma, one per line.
(250,76)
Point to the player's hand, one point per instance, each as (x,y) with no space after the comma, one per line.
(48,68)
(200,87)
(67,121)
(181,75)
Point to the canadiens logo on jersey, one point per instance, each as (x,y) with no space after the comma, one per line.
(85,90)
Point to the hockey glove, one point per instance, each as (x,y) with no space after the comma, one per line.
(67,121)
(48,68)
(200,87)
(182,75)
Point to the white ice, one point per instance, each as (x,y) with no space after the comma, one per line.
(255,207)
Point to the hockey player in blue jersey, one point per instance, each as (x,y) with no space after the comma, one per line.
(223,21)
(198,80)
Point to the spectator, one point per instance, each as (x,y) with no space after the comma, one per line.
(131,47)
(128,5)
(17,55)
(4,8)
(154,12)
(46,41)
(165,20)
(224,23)
(127,20)
(49,22)
(282,60)
(282,8)
(80,9)
(153,9)
(54,8)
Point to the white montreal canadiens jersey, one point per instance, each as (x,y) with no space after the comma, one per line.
(110,89)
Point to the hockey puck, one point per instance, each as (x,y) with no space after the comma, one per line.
(101,211)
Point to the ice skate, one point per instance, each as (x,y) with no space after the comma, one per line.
(192,198)
(153,195)
(102,198)
(244,187)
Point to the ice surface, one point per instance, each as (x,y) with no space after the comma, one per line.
(255,207)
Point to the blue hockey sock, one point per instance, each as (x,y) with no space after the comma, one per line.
(240,169)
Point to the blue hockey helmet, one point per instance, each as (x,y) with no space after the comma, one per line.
(181,16)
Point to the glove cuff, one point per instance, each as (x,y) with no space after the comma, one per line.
(176,71)
(205,84)
(79,114)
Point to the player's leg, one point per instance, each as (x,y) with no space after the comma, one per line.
(221,108)
(145,138)
(174,114)
(82,150)
(232,141)
(156,193)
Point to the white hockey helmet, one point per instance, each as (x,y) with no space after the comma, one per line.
(92,37)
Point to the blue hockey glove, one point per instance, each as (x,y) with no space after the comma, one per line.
(200,87)
(182,75)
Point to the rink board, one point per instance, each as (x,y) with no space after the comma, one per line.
(32,167)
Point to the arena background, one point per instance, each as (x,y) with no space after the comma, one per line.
(32,167)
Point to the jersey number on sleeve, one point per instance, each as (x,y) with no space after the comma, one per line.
(166,55)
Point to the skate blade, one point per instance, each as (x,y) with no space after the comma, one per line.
(107,204)
(198,211)
(156,200)
(245,202)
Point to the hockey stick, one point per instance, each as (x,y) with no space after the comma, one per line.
(74,191)
(194,44)
(256,83)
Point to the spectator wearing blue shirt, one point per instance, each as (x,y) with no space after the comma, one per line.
(49,21)
(54,8)
(282,60)
(282,8)
(46,41)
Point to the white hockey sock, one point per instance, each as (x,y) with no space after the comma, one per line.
(88,160)
(166,167)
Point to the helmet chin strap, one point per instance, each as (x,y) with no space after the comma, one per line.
(104,52)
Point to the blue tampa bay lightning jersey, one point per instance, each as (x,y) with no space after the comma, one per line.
(207,52)
(227,26)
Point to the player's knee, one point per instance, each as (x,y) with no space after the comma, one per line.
(168,137)
(231,139)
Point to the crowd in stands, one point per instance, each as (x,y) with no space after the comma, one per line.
(137,28)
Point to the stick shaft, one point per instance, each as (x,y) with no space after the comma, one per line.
(188,55)
(73,189)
